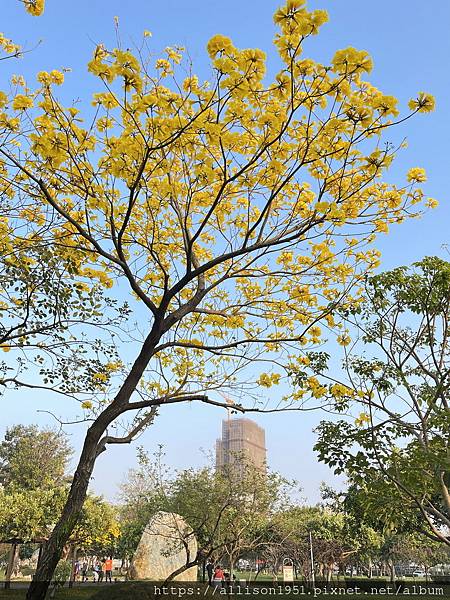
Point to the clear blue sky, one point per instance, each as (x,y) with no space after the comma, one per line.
(410,45)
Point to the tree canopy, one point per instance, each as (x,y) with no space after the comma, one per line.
(33,458)
(229,515)
(396,450)
(34,484)
(234,210)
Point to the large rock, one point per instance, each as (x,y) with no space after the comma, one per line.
(161,551)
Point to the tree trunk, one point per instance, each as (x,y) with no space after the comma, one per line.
(232,561)
(180,570)
(53,547)
(391,571)
(73,562)
(10,568)
(329,572)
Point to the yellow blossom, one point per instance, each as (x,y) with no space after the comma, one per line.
(35,7)
(423,103)
(267,380)
(22,102)
(432,203)
(362,419)
(219,44)
(100,377)
(44,77)
(417,174)
(7,45)
(350,60)
(343,339)
(57,77)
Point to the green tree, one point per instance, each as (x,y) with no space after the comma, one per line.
(34,488)
(30,513)
(228,514)
(362,530)
(33,458)
(33,478)
(299,528)
(427,554)
(97,530)
(397,449)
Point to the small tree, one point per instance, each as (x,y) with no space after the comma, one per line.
(61,576)
(229,515)
(28,514)
(98,530)
(324,530)
(33,481)
(34,488)
(397,450)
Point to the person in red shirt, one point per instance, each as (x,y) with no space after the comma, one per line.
(108,569)
(218,576)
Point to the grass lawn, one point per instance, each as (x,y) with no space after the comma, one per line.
(64,594)
(263,588)
(146,591)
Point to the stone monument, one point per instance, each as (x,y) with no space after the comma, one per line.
(161,549)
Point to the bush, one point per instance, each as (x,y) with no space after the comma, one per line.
(61,575)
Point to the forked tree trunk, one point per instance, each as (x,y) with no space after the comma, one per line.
(53,548)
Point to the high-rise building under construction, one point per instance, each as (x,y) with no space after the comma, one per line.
(243,442)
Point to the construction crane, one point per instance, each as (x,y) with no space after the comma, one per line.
(229,402)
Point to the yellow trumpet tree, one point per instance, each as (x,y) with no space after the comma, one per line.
(240,212)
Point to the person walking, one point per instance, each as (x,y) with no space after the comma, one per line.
(76,570)
(108,569)
(209,571)
(226,583)
(84,570)
(100,571)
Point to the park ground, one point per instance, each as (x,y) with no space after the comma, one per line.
(147,591)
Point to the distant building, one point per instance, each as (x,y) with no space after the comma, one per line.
(242,442)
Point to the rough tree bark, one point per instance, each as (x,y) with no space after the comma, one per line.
(53,548)
(92,447)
